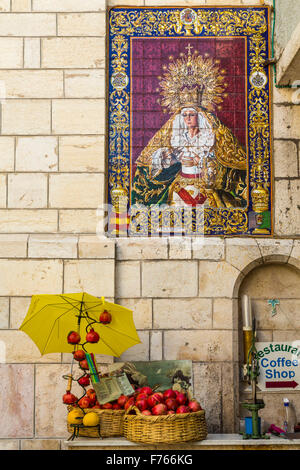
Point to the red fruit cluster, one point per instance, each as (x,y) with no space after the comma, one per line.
(156,403)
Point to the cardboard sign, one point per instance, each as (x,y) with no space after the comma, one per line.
(279,366)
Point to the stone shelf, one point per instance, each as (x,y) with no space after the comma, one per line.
(213,442)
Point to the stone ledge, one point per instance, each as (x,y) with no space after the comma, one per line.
(288,66)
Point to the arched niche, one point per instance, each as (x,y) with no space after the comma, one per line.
(272,279)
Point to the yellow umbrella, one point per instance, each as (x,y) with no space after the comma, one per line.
(50,319)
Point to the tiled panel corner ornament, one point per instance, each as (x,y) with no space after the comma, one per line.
(189,149)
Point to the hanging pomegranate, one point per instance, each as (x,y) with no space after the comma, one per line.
(73,337)
(84,381)
(83,364)
(105,318)
(92,336)
(79,355)
(69,398)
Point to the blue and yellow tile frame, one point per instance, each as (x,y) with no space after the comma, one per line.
(150,191)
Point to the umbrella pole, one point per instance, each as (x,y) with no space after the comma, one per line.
(70,379)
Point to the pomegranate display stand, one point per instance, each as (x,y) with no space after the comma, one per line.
(77,427)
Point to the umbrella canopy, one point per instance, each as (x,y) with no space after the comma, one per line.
(50,319)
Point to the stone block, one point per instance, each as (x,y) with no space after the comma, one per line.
(26,117)
(230,397)
(156,351)
(68,5)
(182,314)
(20,349)
(272,249)
(180,248)
(243,253)
(207,381)
(138,352)
(18,309)
(217,279)
(29,277)
(78,221)
(287,203)
(286,318)
(286,122)
(129,248)
(142,311)
(27,24)
(113,3)
(3,191)
(20,5)
(186,3)
(36,154)
(76,190)
(5,5)
(4,312)
(27,190)
(93,276)
(128,279)
(169,279)
(198,345)
(67,53)
(282,336)
(265,335)
(9,444)
(285,159)
(32,83)
(85,83)
(272,281)
(28,221)
(40,444)
(52,246)
(78,116)
(81,153)
(50,387)
(7,149)
(208,248)
(13,246)
(295,254)
(91,246)
(32,53)
(17,411)
(223,314)
(81,24)
(12,53)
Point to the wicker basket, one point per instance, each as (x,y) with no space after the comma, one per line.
(111,423)
(169,429)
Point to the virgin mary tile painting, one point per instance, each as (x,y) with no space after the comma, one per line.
(189,126)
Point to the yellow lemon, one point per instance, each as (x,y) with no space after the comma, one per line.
(75,416)
(91,419)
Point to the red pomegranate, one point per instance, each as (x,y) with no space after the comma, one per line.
(142,404)
(129,403)
(97,407)
(169,394)
(181,398)
(107,406)
(171,403)
(141,396)
(147,390)
(105,318)
(154,399)
(73,337)
(116,406)
(69,398)
(159,409)
(170,412)
(84,365)
(182,409)
(147,413)
(84,381)
(79,355)
(122,400)
(92,336)
(84,402)
(194,405)
(90,392)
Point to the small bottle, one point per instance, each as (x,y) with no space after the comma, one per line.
(286,403)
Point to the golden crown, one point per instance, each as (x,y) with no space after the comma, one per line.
(192,81)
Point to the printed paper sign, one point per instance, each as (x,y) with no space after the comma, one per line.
(279,366)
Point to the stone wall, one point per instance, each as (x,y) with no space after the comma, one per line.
(184,292)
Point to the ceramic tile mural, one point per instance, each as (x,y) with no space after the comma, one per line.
(189,122)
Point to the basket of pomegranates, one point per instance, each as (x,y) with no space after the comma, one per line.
(111,416)
(169,417)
